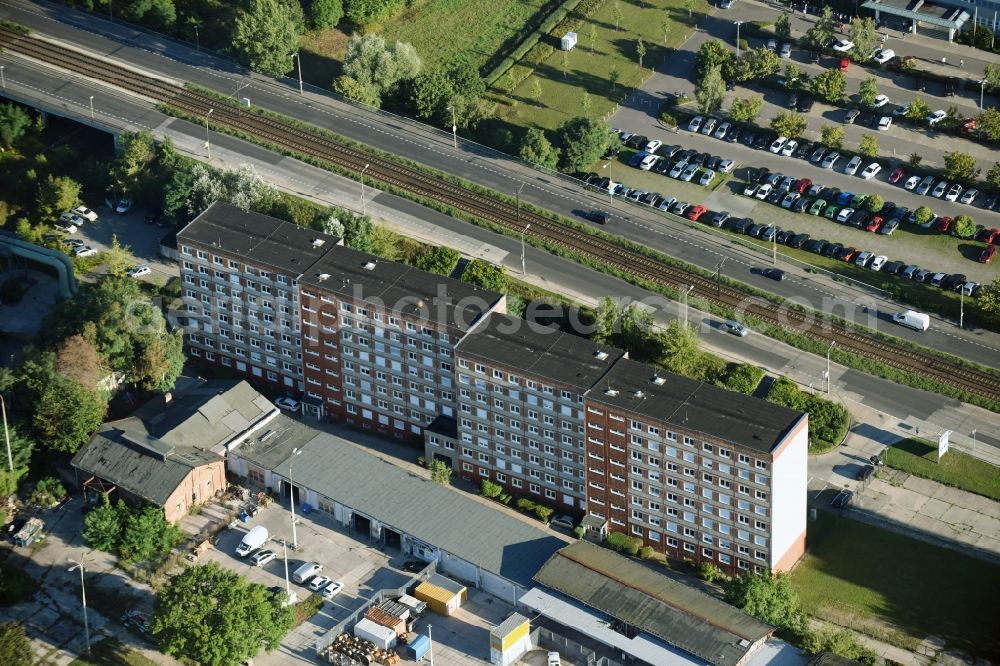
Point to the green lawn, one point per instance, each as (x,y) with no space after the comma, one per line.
(442,29)
(874,579)
(957,469)
(562,95)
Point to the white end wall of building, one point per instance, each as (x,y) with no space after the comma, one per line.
(789,477)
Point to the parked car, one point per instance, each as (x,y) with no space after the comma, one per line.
(708,125)
(65,227)
(86,213)
(287,403)
(805,104)
(841,45)
(124,206)
(969,196)
(884,123)
(925,185)
(878,262)
(84,251)
(986,256)
(830,160)
(563,521)
(706,177)
(139,271)
(940,189)
(262,557)
(777,144)
(936,117)
(884,55)
(785,51)
(721,130)
(853,166)
(653,145)
(789,148)
(880,101)
(871,170)
(319,582)
(896,175)
(818,154)
(333,589)
(735,327)
(695,212)
(851,115)
(911,183)
(889,227)
(953,192)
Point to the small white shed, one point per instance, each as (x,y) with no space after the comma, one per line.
(384,637)
(568,41)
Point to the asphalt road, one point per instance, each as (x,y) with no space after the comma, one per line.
(400,136)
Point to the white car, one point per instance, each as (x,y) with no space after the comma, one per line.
(953,192)
(648,162)
(936,117)
(71,218)
(725,166)
(845,214)
(764,190)
(878,262)
(790,199)
(720,131)
(319,582)
(853,166)
(777,144)
(262,557)
(124,206)
(678,169)
(86,213)
(653,146)
(751,189)
(862,259)
(969,196)
(911,182)
(706,177)
(830,160)
(284,402)
(681,207)
(689,171)
(925,185)
(65,228)
(884,56)
(667,203)
(884,123)
(789,148)
(563,521)
(880,101)
(940,189)
(140,271)
(333,589)
(842,45)
(695,124)
(871,170)
(84,251)
(785,51)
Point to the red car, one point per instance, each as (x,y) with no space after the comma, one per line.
(988,235)
(844,64)
(874,224)
(896,175)
(801,186)
(696,212)
(849,254)
(944,224)
(987,254)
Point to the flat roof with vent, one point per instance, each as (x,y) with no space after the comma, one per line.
(399,288)
(258,239)
(548,354)
(694,406)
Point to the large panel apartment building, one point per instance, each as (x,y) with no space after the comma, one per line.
(695,471)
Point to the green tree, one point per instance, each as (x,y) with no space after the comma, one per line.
(680,349)
(842,642)
(874,202)
(922,215)
(133,171)
(583,141)
(67,414)
(613,76)
(830,86)
(745,109)
(326,14)
(351,88)
(102,527)
(379,69)
(14,123)
(358,232)
(439,259)
(486,275)
(160,15)
(868,91)
(821,33)
(489,489)
(915,159)
(56,194)
(865,37)
(440,472)
(616,14)
(146,535)
(783,27)
(993,175)
(47,492)
(918,111)
(793,76)
(988,123)
(640,50)
(762,62)
(712,53)
(465,79)
(989,298)
(160,359)
(710,91)
(535,92)
(868,147)
(992,76)
(769,598)
(264,36)
(535,148)
(789,124)
(216,617)
(965,226)
(15,648)
(586,103)
(960,166)
(831,136)
(689,6)
(430,93)
(118,258)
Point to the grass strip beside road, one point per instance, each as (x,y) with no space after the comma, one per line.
(898,588)
(801,341)
(956,469)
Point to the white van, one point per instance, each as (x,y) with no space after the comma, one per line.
(253,540)
(306,571)
(918,321)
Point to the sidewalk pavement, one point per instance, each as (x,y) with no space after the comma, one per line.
(889,652)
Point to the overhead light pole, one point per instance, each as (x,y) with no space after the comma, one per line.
(738,24)
(523,231)
(197,38)
(829,349)
(298,59)
(6,434)
(291,497)
(3,81)
(430,641)
(961,307)
(454,127)
(363,209)
(718,277)
(685,293)
(982,92)
(83,595)
(92,108)
(208,142)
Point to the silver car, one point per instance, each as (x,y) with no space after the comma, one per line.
(830,160)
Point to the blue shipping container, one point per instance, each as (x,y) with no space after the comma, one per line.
(418,648)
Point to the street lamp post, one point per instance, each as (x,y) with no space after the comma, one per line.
(3,81)
(829,349)
(961,307)
(363,209)
(517,209)
(454,127)
(982,92)
(973,440)
(291,497)
(718,277)
(526,227)
(92,108)
(197,37)
(430,641)
(738,24)
(298,60)
(83,595)
(611,182)
(685,293)
(6,434)
(208,142)
(774,247)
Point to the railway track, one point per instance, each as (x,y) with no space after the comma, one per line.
(296,139)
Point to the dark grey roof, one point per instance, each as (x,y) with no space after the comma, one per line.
(539,350)
(257,238)
(400,288)
(695,406)
(150,452)
(658,605)
(271,444)
(434,514)
(444,425)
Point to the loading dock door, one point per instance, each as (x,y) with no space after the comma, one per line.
(393,539)
(362,525)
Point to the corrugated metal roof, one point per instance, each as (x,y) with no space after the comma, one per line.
(431,592)
(508,625)
(437,515)
(658,605)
